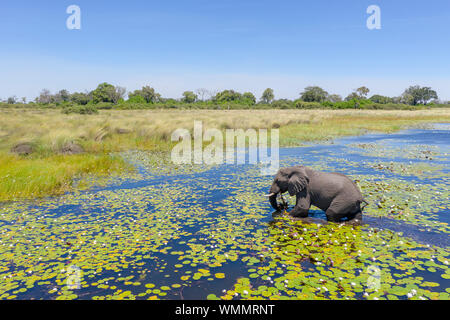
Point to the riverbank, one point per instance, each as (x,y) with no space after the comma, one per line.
(49,170)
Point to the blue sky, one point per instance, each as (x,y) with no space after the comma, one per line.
(244,45)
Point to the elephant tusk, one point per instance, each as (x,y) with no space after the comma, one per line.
(270,195)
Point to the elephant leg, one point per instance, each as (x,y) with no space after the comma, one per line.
(355,216)
(332,216)
(302,206)
(299,212)
(340,209)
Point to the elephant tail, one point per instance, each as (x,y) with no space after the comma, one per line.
(365,204)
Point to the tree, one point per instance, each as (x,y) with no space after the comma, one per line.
(267,96)
(45,97)
(420,95)
(11,100)
(81,98)
(314,94)
(148,93)
(362,92)
(381,99)
(282,104)
(248,98)
(189,97)
(202,92)
(62,95)
(133,98)
(228,96)
(106,92)
(334,98)
(407,98)
(352,96)
(359,94)
(119,94)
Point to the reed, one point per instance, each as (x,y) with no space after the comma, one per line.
(47,172)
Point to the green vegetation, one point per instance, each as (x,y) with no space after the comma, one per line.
(267,96)
(313,94)
(142,243)
(98,135)
(35,177)
(107,96)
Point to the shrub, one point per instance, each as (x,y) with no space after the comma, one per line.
(300,104)
(136,99)
(282,104)
(103,105)
(81,109)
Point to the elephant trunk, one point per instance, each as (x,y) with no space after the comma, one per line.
(274,190)
(273,201)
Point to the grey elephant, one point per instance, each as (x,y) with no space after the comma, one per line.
(333,193)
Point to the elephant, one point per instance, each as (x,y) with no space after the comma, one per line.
(333,193)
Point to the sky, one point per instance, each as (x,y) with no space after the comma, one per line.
(245,45)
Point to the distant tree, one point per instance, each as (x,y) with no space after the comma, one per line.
(248,98)
(381,99)
(213,94)
(80,98)
(148,93)
(359,94)
(282,104)
(228,96)
(362,92)
(136,98)
(169,101)
(119,94)
(189,97)
(63,95)
(334,98)
(352,96)
(267,96)
(45,97)
(202,92)
(12,100)
(24,100)
(106,92)
(420,95)
(314,94)
(436,101)
(406,98)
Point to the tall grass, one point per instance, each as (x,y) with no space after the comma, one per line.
(47,172)
(151,129)
(24,178)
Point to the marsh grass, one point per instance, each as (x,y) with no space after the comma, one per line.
(47,172)
(22,178)
(352,125)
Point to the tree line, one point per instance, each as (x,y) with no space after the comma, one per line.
(107,96)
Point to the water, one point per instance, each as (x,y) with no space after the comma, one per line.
(212,233)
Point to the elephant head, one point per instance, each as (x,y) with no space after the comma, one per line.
(293,180)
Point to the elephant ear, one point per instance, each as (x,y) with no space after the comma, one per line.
(297,182)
